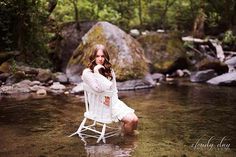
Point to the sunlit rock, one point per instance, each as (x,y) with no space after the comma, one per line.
(126,54)
(224,79)
(33,83)
(35,88)
(57,86)
(134,32)
(41,92)
(163,50)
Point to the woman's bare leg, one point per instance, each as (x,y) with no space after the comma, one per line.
(130,123)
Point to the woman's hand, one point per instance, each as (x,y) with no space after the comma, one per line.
(107,101)
(97,67)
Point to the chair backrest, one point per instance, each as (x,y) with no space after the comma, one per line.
(95,107)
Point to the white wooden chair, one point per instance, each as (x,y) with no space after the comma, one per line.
(99,114)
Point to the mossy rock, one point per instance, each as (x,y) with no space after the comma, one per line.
(126,54)
(162,49)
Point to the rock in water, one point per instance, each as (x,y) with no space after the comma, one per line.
(126,54)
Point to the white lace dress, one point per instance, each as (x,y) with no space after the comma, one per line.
(99,83)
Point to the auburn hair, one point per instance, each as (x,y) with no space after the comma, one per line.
(106,71)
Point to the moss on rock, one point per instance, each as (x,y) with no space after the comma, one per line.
(126,54)
(162,50)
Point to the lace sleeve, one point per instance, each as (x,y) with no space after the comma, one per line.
(96,81)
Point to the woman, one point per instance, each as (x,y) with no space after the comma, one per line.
(100,77)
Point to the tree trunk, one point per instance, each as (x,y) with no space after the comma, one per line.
(20,34)
(140,12)
(198,28)
(76,14)
(20,27)
(51,6)
(163,15)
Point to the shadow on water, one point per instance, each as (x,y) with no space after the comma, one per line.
(179,119)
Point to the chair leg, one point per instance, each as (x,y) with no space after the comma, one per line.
(102,134)
(81,125)
(80,128)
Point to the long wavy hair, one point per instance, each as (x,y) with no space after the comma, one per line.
(104,71)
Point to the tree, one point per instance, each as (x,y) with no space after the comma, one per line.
(22,28)
(224,14)
(198,27)
(75,2)
(51,5)
(163,17)
(140,12)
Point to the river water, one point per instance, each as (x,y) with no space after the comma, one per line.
(176,119)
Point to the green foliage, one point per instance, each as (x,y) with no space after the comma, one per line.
(149,14)
(23,22)
(63,11)
(6,29)
(13,65)
(108,14)
(221,14)
(229,38)
(22,25)
(213,19)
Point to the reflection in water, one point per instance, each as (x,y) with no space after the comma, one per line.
(116,146)
(82,138)
(175,120)
(108,150)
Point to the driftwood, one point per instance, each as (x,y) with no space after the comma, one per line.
(212,48)
(202,47)
(230,52)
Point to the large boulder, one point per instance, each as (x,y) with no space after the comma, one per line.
(66,41)
(164,50)
(126,54)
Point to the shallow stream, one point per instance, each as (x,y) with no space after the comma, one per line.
(176,119)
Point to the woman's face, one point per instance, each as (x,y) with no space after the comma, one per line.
(100,58)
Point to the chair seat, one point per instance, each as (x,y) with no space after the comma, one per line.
(105,119)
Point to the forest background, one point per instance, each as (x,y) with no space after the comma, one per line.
(29,25)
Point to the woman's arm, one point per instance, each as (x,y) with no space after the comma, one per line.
(96,81)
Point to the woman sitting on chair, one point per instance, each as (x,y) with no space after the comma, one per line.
(100,77)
